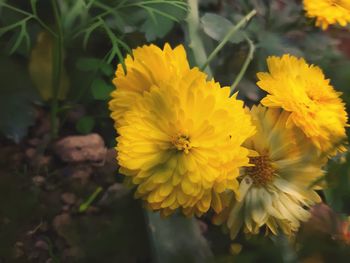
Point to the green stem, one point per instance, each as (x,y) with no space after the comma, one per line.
(84,206)
(48,29)
(228,36)
(244,67)
(196,43)
(16,9)
(34,15)
(56,70)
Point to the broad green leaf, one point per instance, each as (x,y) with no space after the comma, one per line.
(217,27)
(85,124)
(177,239)
(16,100)
(157,28)
(101,89)
(40,68)
(160,18)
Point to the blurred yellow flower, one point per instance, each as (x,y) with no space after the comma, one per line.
(181,144)
(148,66)
(328,12)
(313,104)
(276,190)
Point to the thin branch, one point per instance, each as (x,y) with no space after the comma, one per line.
(244,66)
(56,70)
(228,36)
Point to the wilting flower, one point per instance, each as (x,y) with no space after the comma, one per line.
(328,12)
(148,66)
(277,189)
(181,144)
(313,104)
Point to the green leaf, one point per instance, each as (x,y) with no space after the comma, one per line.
(156,28)
(101,89)
(216,27)
(160,18)
(85,124)
(177,239)
(16,100)
(94,64)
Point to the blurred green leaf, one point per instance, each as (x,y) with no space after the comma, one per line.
(40,68)
(160,17)
(16,97)
(85,124)
(217,27)
(158,28)
(101,89)
(94,64)
(177,239)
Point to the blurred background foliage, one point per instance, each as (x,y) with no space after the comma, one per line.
(58,57)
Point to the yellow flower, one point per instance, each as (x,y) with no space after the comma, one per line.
(313,104)
(148,66)
(328,12)
(276,190)
(181,144)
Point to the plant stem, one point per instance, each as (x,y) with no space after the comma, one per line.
(56,70)
(228,36)
(245,65)
(196,43)
(34,15)
(84,206)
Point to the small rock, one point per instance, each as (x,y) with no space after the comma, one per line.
(87,148)
(60,221)
(41,244)
(65,208)
(43,160)
(19,244)
(82,173)
(34,142)
(18,252)
(92,210)
(38,180)
(68,198)
(30,153)
(44,227)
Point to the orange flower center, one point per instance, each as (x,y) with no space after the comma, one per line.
(182,143)
(262,172)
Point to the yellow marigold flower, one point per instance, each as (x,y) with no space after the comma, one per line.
(328,12)
(148,66)
(276,190)
(181,144)
(303,91)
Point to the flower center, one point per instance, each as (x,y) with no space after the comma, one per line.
(182,143)
(262,172)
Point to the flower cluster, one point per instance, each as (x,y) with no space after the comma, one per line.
(301,121)
(328,12)
(187,145)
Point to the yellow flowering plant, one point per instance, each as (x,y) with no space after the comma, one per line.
(187,145)
(174,131)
